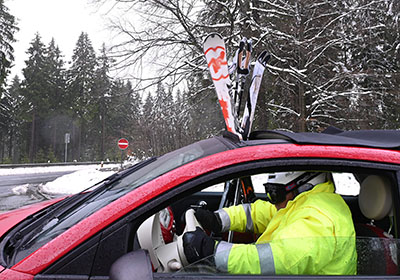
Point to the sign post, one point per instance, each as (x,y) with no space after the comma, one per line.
(67,140)
(123,145)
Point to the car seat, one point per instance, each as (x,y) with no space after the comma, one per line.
(376,249)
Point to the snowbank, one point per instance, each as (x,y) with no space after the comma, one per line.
(75,182)
(81,178)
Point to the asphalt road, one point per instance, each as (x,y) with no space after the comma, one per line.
(35,178)
(10,200)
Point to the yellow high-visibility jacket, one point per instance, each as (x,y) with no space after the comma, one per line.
(314,234)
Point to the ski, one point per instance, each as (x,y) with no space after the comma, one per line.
(248,114)
(215,53)
(245,49)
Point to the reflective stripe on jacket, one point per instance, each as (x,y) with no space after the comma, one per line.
(313,234)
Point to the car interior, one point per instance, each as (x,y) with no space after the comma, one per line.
(369,197)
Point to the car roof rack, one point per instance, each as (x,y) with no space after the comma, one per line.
(385,139)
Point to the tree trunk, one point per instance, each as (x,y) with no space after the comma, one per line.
(1,148)
(103,131)
(54,140)
(302,108)
(301,91)
(78,151)
(10,144)
(32,142)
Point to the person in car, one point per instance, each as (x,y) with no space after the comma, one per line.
(304,228)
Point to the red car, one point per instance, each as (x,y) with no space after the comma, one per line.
(130,225)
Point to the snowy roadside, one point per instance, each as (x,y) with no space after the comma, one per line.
(80,178)
(68,184)
(49,169)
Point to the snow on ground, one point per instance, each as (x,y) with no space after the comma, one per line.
(75,182)
(81,178)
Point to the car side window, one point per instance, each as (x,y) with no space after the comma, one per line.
(345,184)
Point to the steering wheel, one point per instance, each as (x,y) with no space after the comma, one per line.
(168,257)
(191,221)
(191,224)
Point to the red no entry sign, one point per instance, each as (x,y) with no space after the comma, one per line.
(123,143)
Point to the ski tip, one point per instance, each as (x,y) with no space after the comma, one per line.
(212,36)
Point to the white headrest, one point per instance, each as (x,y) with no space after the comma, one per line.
(375,199)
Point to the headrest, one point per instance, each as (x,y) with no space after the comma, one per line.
(375,199)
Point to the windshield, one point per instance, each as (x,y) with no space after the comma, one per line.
(57,223)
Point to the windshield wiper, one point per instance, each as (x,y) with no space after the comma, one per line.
(27,227)
(109,181)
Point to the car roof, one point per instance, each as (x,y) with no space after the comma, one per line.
(383,139)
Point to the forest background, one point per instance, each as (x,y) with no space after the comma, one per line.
(332,63)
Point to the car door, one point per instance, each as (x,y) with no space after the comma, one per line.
(190,191)
(120,239)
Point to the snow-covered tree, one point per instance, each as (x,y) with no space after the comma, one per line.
(320,52)
(370,55)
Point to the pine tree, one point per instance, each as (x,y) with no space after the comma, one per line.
(35,91)
(147,122)
(162,120)
(81,79)
(129,116)
(58,121)
(8,28)
(5,123)
(14,120)
(102,94)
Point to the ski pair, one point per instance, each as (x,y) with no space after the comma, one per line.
(215,53)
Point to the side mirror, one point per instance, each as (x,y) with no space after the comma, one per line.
(134,265)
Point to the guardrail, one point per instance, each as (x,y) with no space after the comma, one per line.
(56,164)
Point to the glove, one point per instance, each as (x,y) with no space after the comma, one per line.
(209,220)
(197,245)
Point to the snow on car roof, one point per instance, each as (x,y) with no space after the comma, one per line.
(386,139)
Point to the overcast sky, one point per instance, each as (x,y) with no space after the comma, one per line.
(63,20)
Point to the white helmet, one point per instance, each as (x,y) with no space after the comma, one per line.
(281,183)
(286,177)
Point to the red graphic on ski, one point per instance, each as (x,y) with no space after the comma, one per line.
(216,63)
